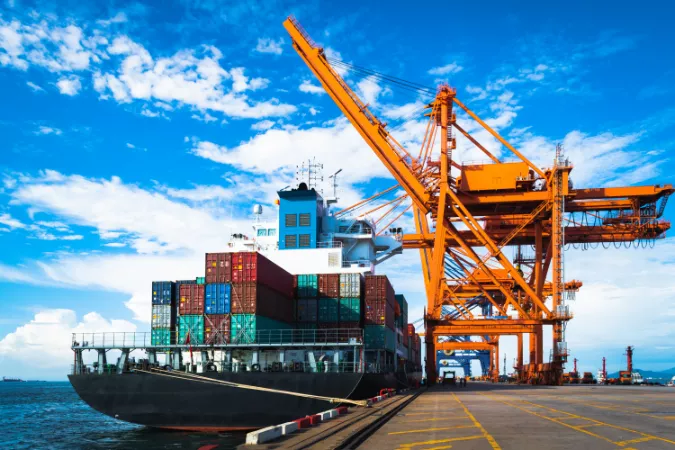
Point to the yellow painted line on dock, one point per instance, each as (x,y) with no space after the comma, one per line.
(438,441)
(487,435)
(434,419)
(634,441)
(612,407)
(430,429)
(579,428)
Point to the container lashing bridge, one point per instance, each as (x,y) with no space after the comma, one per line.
(466,214)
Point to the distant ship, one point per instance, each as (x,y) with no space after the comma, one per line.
(11,379)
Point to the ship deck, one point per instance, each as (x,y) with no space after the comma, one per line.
(490,416)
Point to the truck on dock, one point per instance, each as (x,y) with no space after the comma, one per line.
(588,378)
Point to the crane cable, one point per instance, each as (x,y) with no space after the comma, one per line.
(201,379)
(405,84)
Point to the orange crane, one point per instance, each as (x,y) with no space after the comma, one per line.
(466,214)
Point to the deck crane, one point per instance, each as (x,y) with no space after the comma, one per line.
(466,214)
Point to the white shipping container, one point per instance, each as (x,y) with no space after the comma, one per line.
(350,285)
(161,316)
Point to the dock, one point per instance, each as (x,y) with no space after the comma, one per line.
(497,416)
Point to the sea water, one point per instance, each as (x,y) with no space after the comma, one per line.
(50,415)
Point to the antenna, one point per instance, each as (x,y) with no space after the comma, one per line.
(310,173)
(334,182)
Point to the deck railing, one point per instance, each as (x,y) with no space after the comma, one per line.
(245,338)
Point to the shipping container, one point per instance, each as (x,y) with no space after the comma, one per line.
(244,329)
(218,267)
(306,326)
(217,329)
(379,337)
(162,336)
(192,326)
(163,316)
(351,285)
(178,284)
(307,286)
(329,285)
(217,298)
(255,298)
(379,312)
(350,309)
(200,280)
(163,293)
(191,300)
(328,310)
(254,267)
(306,310)
(402,320)
(378,287)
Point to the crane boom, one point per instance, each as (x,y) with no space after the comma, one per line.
(393,156)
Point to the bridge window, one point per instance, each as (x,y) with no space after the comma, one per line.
(262,232)
(304,240)
(271,231)
(291,220)
(304,220)
(291,241)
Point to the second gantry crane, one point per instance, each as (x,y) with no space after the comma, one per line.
(466,214)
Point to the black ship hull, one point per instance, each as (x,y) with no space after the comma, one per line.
(172,403)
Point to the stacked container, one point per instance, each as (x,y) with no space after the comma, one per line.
(351,300)
(328,300)
(191,329)
(402,320)
(191,314)
(218,267)
(306,300)
(163,319)
(380,303)
(261,296)
(245,327)
(217,328)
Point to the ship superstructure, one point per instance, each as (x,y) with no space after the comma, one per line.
(307,237)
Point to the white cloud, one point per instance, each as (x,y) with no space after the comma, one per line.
(120,17)
(45,341)
(190,77)
(115,244)
(268,152)
(269,45)
(206,118)
(34,87)
(48,130)
(309,88)
(130,145)
(313,111)
(402,111)
(446,69)
(202,193)
(70,85)
(148,113)
(262,125)
(46,236)
(11,222)
(369,91)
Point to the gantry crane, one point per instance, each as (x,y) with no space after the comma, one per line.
(466,214)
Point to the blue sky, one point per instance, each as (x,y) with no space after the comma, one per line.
(136,136)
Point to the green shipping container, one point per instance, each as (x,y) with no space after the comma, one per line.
(379,337)
(245,327)
(193,325)
(328,310)
(308,286)
(161,336)
(402,320)
(350,309)
(200,280)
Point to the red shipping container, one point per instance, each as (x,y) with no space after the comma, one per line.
(218,267)
(350,325)
(217,329)
(379,287)
(329,285)
(191,299)
(380,312)
(256,298)
(254,267)
(411,329)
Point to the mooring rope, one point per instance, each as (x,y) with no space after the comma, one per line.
(198,378)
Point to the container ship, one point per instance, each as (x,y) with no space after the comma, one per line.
(296,307)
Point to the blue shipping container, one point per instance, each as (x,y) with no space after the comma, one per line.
(163,293)
(217,298)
